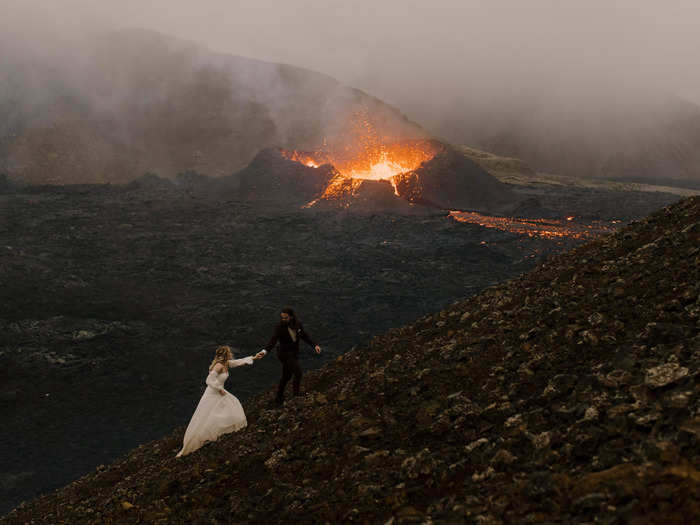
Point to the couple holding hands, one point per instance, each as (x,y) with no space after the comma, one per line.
(218,411)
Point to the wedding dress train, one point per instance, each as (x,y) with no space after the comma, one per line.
(216,414)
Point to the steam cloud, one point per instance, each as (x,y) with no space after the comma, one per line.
(409,51)
(456,67)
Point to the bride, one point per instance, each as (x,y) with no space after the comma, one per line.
(218,411)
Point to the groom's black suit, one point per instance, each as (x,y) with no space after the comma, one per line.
(288,354)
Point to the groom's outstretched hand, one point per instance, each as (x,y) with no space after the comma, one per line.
(318,349)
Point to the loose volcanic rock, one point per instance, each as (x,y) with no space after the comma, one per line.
(663,375)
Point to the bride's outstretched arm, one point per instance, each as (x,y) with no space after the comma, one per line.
(239,362)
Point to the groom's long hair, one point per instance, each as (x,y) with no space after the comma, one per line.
(293,321)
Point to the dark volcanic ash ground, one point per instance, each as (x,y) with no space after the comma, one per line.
(566,395)
(114,298)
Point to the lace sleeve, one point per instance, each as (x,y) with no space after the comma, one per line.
(240,362)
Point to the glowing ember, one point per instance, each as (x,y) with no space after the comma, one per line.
(547,228)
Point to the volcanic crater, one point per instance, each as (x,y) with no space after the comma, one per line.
(405,177)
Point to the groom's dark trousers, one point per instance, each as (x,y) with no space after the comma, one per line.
(290,367)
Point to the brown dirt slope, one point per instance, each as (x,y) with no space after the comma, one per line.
(568,395)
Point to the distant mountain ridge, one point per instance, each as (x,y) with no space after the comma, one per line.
(136,101)
(655,140)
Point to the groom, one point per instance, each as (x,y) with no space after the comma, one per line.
(288,332)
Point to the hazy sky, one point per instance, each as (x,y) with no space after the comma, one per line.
(408,52)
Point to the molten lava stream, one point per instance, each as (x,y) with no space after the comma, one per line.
(548,228)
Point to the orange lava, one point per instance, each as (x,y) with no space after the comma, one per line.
(548,228)
(302,157)
(338,187)
(368,155)
(384,161)
(365,155)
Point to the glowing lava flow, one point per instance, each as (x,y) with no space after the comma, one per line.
(548,228)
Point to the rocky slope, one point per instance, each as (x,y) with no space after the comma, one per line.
(496,165)
(453,181)
(567,395)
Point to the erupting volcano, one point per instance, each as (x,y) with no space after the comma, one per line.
(362,154)
(370,162)
(364,164)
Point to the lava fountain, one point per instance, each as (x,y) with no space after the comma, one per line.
(364,155)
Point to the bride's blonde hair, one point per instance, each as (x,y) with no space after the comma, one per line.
(221,356)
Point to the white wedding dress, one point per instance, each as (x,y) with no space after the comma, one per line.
(216,414)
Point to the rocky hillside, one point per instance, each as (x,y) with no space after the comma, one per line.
(567,395)
(496,165)
(135,101)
